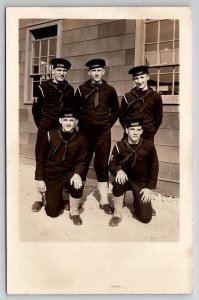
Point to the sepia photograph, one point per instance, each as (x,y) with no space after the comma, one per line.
(100,152)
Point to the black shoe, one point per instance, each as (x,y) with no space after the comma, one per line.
(66,204)
(36,207)
(76,219)
(114,221)
(107,209)
(153,212)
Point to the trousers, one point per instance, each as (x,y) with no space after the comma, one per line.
(142,210)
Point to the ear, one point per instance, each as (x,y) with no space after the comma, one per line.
(60,120)
(76,122)
(141,131)
(89,73)
(147,76)
(126,130)
(103,72)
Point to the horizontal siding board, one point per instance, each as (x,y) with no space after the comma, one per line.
(82,34)
(70,24)
(116,73)
(22,68)
(117,133)
(32,139)
(114,58)
(27,126)
(167,137)
(21,80)
(171,108)
(168,188)
(170,121)
(23,138)
(22,34)
(122,42)
(129,56)
(22,56)
(130,26)
(111,29)
(168,154)
(169,171)
(27,150)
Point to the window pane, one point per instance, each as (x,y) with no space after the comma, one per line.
(153,70)
(153,81)
(151,32)
(35,49)
(165,84)
(43,65)
(166,69)
(35,61)
(166,46)
(176,44)
(176,29)
(166,30)
(35,69)
(44,48)
(53,44)
(176,84)
(166,53)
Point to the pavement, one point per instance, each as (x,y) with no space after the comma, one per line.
(38,227)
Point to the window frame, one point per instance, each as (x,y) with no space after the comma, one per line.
(140,54)
(28,63)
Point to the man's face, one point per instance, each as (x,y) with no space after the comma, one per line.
(68,124)
(134,134)
(96,74)
(141,81)
(59,74)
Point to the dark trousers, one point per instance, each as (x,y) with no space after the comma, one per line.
(40,136)
(54,199)
(98,142)
(142,210)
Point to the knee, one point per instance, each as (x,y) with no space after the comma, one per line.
(118,189)
(52,213)
(145,218)
(76,193)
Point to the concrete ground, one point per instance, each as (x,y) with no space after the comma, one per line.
(38,227)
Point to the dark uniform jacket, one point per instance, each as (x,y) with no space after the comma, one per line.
(50,98)
(145,105)
(106,113)
(60,153)
(142,166)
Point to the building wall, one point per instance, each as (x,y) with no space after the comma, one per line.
(113,40)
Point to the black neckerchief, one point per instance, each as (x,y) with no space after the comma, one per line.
(133,152)
(62,141)
(140,99)
(61,91)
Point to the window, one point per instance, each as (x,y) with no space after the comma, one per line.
(162,55)
(43,50)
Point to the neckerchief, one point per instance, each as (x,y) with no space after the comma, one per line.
(62,141)
(134,93)
(53,84)
(133,152)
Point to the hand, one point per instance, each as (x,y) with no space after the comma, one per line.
(77,181)
(41,186)
(146,195)
(121,177)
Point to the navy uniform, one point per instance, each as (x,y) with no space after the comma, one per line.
(142,104)
(140,163)
(61,155)
(99,110)
(49,99)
